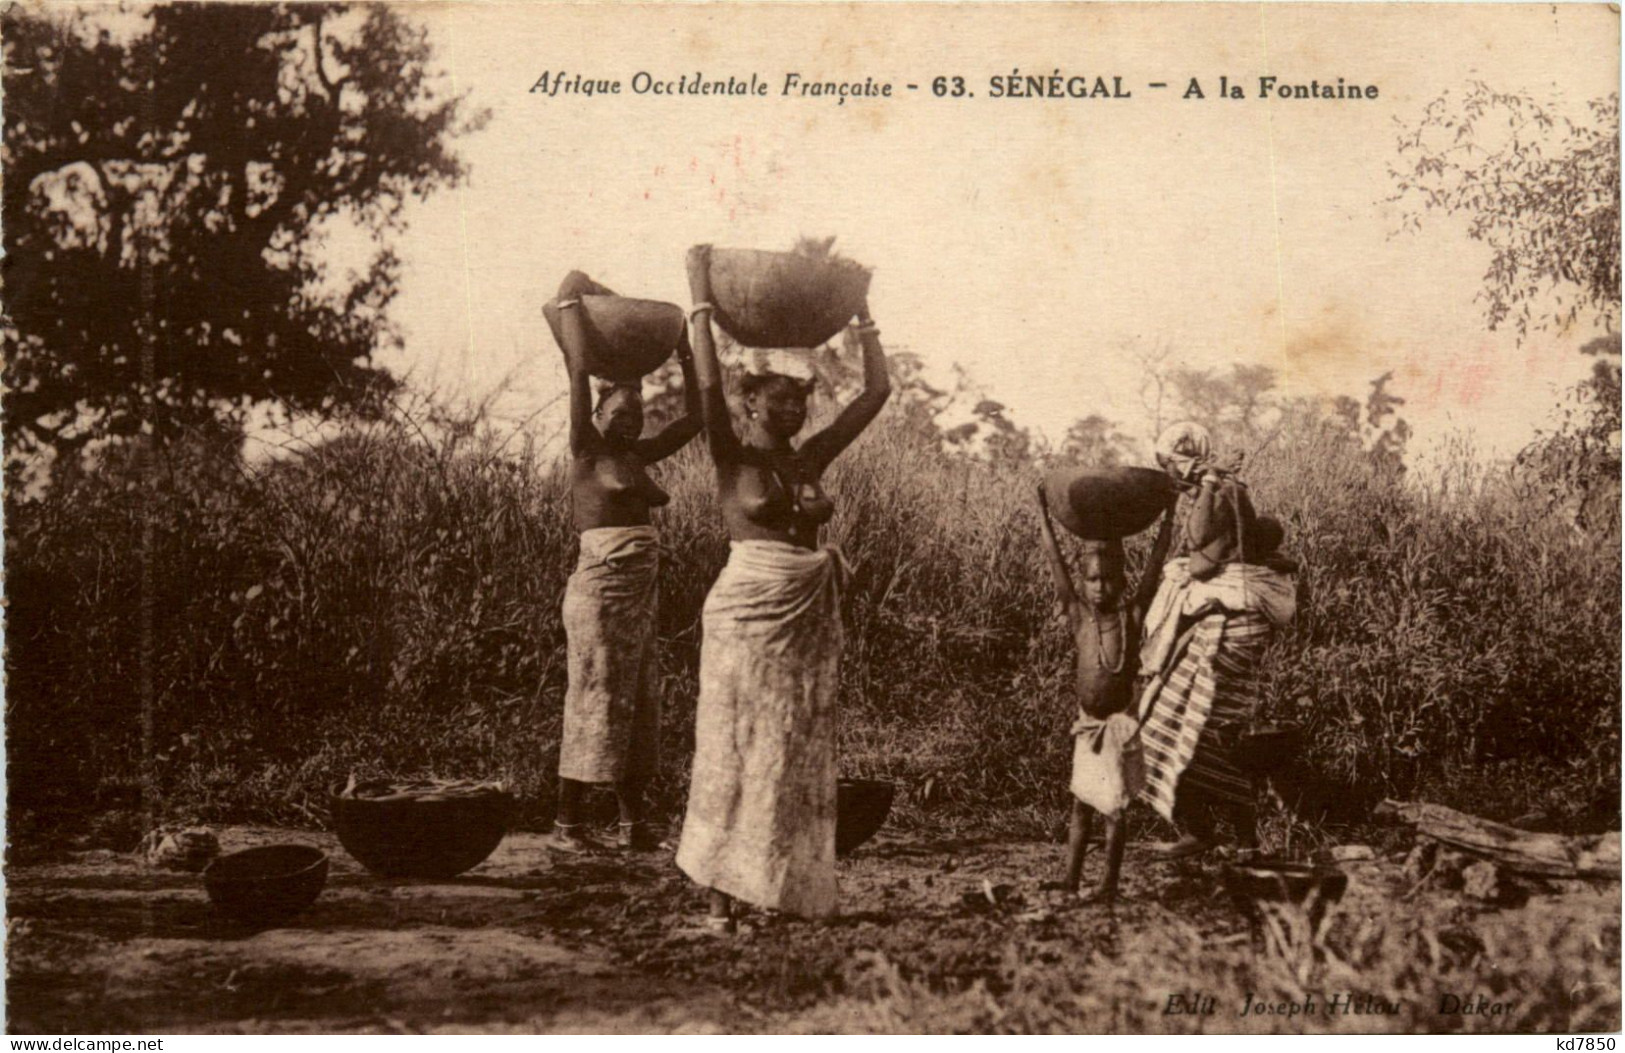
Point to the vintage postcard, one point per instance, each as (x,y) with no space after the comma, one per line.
(837,518)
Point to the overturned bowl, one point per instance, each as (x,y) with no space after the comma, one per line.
(266,885)
(861,807)
(423,835)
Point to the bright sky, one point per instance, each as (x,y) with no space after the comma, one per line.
(1036,242)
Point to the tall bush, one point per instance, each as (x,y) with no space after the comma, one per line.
(388,603)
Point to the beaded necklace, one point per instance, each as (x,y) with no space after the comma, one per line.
(1100,641)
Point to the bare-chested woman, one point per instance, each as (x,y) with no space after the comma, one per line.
(761,805)
(611,711)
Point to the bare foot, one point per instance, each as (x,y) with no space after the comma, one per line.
(1185,848)
(635,837)
(709,927)
(1099,897)
(571,840)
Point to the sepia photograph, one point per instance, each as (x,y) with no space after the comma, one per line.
(817,518)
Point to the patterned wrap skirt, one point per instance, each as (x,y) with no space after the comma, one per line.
(760,824)
(1200,707)
(611,708)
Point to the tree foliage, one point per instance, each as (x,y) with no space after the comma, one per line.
(1386,432)
(1538,187)
(173,181)
(1575,469)
(1094,440)
(1230,403)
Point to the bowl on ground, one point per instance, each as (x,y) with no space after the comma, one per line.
(627,338)
(266,885)
(424,834)
(784,299)
(861,807)
(1283,883)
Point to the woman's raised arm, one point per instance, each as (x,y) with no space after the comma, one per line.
(719,427)
(573,340)
(828,444)
(1208,519)
(681,431)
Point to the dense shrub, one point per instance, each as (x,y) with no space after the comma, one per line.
(385,603)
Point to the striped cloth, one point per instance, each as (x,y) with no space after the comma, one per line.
(1199,706)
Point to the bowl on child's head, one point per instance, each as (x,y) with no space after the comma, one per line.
(1105,504)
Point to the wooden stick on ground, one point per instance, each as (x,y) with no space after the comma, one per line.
(1546,855)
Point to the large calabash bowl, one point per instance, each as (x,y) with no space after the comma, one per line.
(861,807)
(627,338)
(266,885)
(784,299)
(422,836)
(1104,504)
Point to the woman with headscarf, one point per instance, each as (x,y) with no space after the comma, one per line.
(760,825)
(611,710)
(1214,613)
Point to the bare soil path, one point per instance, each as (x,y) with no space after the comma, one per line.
(528,941)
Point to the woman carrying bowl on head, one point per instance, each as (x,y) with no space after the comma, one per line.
(1221,599)
(761,804)
(611,709)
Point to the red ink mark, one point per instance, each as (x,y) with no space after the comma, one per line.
(1475,380)
(1430,395)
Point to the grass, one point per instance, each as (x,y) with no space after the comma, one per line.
(387,603)
(1546,969)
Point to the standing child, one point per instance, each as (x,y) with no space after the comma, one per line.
(1107,767)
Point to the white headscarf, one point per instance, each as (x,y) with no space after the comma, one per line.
(793,362)
(1183,444)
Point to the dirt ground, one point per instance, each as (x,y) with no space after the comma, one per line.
(528,941)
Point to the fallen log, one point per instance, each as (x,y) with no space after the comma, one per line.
(1543,855)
